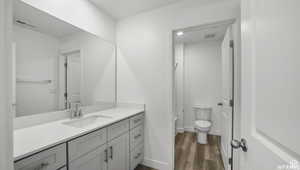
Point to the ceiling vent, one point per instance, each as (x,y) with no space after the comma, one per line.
(209,36)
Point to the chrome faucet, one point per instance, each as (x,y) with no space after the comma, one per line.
(77,111)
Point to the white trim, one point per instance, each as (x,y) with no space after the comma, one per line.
(180,130)
(223,155)
(189,129)
(171,99)
(192,129)
(6,98)
(155,164)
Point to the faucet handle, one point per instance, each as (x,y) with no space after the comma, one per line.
(76,106)
(80,113)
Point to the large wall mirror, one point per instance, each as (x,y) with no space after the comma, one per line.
(56,64)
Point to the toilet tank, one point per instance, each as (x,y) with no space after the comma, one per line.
(202,112)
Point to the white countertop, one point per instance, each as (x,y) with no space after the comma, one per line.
(33,139)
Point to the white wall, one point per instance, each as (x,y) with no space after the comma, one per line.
(80,13)
(6,143)
(203,75)
(145,66)
(36,59)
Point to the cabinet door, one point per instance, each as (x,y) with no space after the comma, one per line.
(85,144)
(118,151)
(95,160)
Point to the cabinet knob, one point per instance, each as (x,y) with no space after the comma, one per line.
(106,156)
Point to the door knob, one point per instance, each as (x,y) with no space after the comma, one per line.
(220,104)
(236,144)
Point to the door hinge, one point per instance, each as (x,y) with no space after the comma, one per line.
(231,103)
(66,95)
(231,43)
(66,64)
(230,161)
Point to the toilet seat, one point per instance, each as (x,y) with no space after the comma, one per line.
(203,125)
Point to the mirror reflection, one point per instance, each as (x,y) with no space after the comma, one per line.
(57,65)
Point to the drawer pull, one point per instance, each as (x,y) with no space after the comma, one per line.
(137,136)
(106,156)
(111,152)
(137,156)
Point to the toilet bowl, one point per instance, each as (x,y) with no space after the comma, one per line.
(202,122)
(202,128)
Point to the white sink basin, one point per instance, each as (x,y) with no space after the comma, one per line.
(87,121)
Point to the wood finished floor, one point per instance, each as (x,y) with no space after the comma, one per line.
(142,167)
(189,155)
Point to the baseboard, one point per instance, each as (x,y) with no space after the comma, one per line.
(189,129)
(215,133)
(192,129)
(224,157)
(155,164)
(180,130)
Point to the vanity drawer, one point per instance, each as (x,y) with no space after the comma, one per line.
(136,156)
(82,145)
(117,129)
(136,136)
(51,159)
(136,120)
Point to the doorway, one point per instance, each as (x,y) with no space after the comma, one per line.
(70,79)
(203,73)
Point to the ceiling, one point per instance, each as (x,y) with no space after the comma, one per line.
(124,8)
(199,34)
(42,21)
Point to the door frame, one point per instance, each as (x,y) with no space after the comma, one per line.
(6,115)
(62,59)
(234,22)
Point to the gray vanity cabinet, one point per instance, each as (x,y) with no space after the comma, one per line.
(111,156)
(124,149)
(50,159)
(86,144)
(119,146)
(104,149)
(95,160)
(136,140)
(118,151)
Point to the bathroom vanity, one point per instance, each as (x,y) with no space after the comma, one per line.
(107,140)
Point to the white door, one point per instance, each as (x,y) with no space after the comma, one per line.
(270,84)
(73,77)
(95,160)
(226,114)
(118,151)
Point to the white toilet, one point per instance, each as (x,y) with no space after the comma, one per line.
(202,122)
